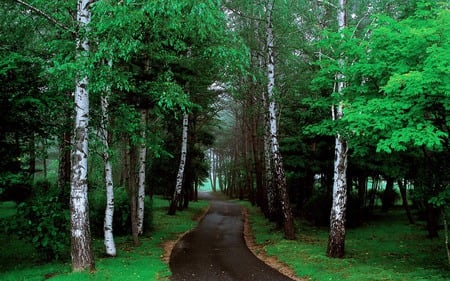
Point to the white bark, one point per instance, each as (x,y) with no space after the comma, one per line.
(180,174)
(280,178)
(336,241)
(110,245)
(141,177)
(81,251)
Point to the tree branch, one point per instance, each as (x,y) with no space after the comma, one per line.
(42,13)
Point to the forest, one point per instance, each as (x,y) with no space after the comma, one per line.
(321,117)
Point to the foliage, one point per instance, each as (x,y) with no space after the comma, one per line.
(141,263)
(121,220)
(44,222)
(15,186)
(384,249)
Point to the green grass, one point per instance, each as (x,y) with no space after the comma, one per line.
(18,260)
(387,248)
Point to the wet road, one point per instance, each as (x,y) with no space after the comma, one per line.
(216,250)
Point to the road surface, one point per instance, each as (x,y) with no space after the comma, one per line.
(216,250)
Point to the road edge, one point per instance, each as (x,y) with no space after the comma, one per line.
(260,252)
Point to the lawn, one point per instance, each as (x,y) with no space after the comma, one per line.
(18,260)
(386,248)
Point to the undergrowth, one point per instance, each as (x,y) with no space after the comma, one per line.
(19,260)
(386,248)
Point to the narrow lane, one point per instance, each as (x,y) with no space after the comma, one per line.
(216,250)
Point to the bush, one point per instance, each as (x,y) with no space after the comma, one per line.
(121,220)
(44,220)
(15,187)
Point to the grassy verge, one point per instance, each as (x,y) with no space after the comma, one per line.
(385,249)
(18,261)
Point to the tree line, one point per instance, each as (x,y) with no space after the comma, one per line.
(295,105)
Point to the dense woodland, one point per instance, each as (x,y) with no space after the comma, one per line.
(300,107)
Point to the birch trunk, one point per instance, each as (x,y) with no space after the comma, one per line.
(280,178)
(141,179)
(110,245)
(180,175)
(81,249)
(336,241)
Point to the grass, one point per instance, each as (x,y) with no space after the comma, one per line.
(18,260)
(387,248)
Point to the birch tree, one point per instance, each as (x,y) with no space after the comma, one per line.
(336,240)
(278,170)
(180,174)
(109,210)
(81,249)
(141,176)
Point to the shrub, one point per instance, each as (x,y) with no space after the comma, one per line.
(121,220)
(15,187)
(44,220)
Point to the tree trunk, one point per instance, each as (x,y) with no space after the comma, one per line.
(110,245)
(132,188)
(280,178)
(336,240)
(179,185)
(388,195)
(64,166)
(402,187)
(432,220)
(81,249)
(32,160)
(141,179)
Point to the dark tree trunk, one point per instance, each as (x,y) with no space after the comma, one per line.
(362,191)
(432,221)
(402,187)
(64,162)
(388,195)
(132,188)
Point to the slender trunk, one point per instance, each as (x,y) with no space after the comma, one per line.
(212,172)
(280,178)
(81,249)
(32,160)
(64,166)
(362,190)
(179,185)
(141,180)
(373,193)
(402,187)
(388,195)
(336,241)
(132,187)
(432,220)
(110,245)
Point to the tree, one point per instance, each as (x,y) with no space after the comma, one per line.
(181,168)
(276,159)
(109,210)
(81,249)
(336,240)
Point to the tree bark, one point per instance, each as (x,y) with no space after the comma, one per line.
(336,240)
(110,245)
(81,249)
(388,195)
(179,184)
(141,179)
(132,187)
(402,187)
(64,166)
(280,178)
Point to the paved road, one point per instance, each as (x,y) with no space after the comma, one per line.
(216,251)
